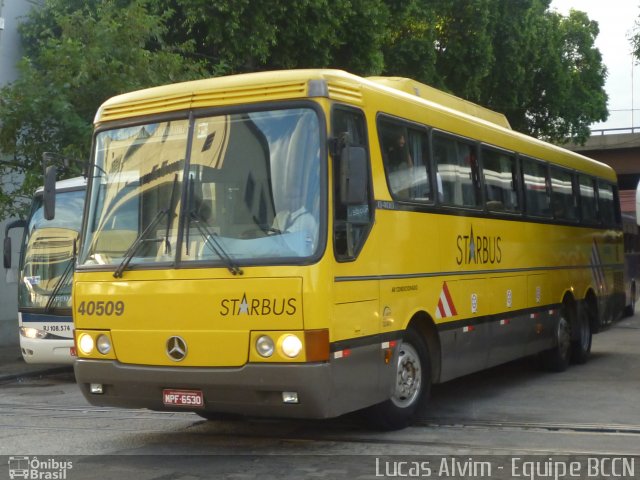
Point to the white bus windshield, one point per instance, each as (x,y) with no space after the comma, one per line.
(49,252)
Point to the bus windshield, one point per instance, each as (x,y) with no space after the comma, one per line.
(48,254)
(226,189)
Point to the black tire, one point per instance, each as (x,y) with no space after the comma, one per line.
(557,358)
(412,389)
(582,335)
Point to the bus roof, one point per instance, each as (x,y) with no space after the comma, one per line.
(488,126)
(433,94)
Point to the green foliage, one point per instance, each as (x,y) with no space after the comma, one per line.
(236,36)
(568,90)
(515,56)
(78,54)
(635,40)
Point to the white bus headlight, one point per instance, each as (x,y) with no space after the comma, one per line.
(103,344)
(85,344)
(291,346)
(32,333)
(264,346)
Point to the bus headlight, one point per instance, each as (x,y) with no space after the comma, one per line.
(85,344)
(32,333)
(264,346)
(290,345)
(103,344)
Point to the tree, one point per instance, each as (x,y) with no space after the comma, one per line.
(568,90)
(635,39)
(236,36)
(514,56)
(539,68)
(78,54)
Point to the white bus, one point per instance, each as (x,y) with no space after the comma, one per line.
(46,270)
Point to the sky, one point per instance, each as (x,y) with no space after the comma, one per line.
(616,20)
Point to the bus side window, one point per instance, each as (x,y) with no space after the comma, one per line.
(606,205)
(562,198)
(405,154)
(588,206)
(537,198)
(352,223)
(501,190)
(458,170)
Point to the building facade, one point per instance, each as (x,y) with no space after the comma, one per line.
(11,13)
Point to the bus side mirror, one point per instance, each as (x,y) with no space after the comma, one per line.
(49,197)
(7,253)
(353,176)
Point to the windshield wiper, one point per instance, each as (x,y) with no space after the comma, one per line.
(131,251)
(209,236)
(216,246)
(128,255)
(61,281)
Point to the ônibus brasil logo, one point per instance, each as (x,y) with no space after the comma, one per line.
(37,469)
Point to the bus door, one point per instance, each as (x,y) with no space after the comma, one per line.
(356,322)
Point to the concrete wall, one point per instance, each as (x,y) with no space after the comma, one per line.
(11,13)
(621,151)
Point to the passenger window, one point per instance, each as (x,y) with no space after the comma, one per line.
(537,198)
(606,204)
(562,197)
(458,175)
(501,188)
(405,154)
(588,205)
(352,222)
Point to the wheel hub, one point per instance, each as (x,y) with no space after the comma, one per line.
(409,377)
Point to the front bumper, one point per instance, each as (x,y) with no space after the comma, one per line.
(47,351)
(253,389)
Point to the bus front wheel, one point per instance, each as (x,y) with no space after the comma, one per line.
(412,385)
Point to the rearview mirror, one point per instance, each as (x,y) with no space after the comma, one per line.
(353,176)
(49,197)
(7,251)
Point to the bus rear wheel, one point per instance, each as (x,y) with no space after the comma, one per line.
(412,385)
(630,310)
(581,344)
(557,358)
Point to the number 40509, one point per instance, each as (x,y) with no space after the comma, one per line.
(100,308)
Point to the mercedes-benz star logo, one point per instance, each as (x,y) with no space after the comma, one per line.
(176,349)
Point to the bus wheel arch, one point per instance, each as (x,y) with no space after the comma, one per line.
(412,379)
(426,327)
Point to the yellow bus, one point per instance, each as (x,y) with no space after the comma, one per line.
(308,243)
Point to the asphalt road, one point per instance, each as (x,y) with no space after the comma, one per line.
(507,412)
